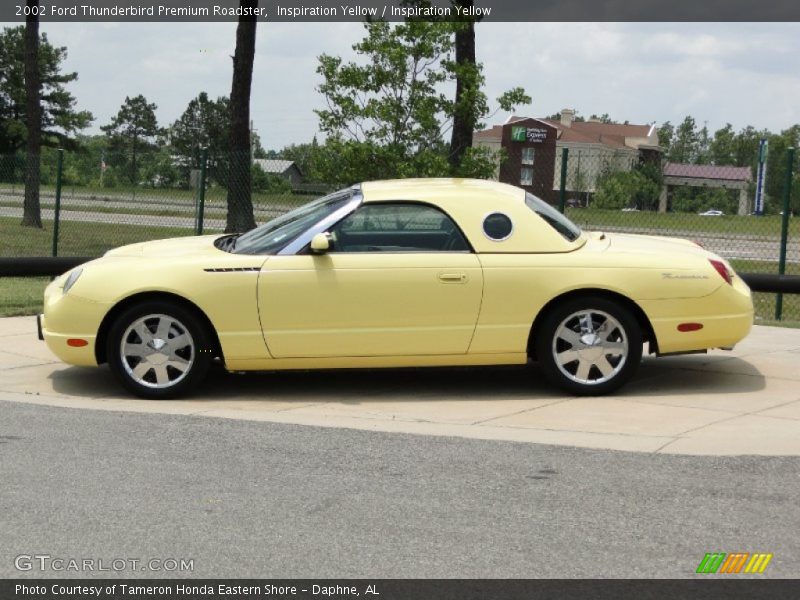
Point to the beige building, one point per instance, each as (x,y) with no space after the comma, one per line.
(594,148)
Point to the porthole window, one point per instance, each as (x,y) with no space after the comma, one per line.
(497,227)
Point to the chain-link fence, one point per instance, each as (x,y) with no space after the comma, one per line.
(734,211)
(111,208)
(731,210)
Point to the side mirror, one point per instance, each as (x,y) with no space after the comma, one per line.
(321,243)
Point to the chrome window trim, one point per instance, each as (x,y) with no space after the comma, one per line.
(302,240)
(494,239)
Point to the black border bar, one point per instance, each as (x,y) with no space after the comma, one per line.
(515,11)
(709,586)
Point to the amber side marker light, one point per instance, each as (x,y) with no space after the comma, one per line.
(722,270)
(76,343)
(689,327)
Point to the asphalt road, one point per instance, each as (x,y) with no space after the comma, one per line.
(261,499)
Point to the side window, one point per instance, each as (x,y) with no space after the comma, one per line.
(398,227)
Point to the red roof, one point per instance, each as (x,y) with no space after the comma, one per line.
(707,172)
(587,132)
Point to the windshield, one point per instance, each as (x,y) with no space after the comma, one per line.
(554,218)
(277,233)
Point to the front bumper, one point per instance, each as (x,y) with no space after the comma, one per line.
(67,317)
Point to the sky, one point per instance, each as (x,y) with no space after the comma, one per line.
(739,73)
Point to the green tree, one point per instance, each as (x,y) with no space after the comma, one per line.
(683,148)
(576,118)
(604,118)
(722,148)
(204,124)
(132,133)
(665,134)
(623,189)
(387,115)
(36,110)
(60,120)
(269,183)
(776,169)
(305,156)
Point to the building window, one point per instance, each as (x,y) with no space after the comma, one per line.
(527,156)
(526,176)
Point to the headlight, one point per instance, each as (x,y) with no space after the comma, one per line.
(72,278)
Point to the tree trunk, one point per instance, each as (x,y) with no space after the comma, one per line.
(32,214)
(240,204)
(464,116)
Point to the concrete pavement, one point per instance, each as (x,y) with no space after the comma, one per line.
(724,403)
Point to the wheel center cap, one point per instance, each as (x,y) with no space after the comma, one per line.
(592,349)
(590,339)
(157,344)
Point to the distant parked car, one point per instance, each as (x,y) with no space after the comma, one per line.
(712,213)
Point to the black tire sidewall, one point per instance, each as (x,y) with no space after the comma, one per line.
(544,339)
(187,318)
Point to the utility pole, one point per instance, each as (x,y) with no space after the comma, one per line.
(253,131)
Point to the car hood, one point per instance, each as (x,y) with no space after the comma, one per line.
(183,246)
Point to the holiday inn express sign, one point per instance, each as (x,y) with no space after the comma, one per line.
(528,134)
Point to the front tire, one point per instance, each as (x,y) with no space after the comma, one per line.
(159,350)
(589,346)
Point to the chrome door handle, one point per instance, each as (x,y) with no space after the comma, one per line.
(453,277)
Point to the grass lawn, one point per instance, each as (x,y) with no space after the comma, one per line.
(21,295)
(590,218)
(76,238)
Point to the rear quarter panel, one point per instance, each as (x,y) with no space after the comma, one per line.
(518,286)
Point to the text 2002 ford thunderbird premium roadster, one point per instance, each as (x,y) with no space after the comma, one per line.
(415,273)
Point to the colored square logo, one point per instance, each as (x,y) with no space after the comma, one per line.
(519,134)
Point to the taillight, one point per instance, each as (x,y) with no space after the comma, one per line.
(722,270)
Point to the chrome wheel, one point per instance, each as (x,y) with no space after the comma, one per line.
(157,351)
(590,347)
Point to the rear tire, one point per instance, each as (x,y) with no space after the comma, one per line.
(589,346)
(159,350)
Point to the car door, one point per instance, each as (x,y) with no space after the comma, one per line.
(399,279)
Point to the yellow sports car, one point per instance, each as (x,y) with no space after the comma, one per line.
(408,273)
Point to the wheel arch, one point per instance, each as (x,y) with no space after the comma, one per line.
(648,333)
(126,303)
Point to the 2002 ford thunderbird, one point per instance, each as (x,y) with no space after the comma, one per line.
(426,272)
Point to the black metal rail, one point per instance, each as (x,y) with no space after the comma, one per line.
(779,284)
(37,266)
